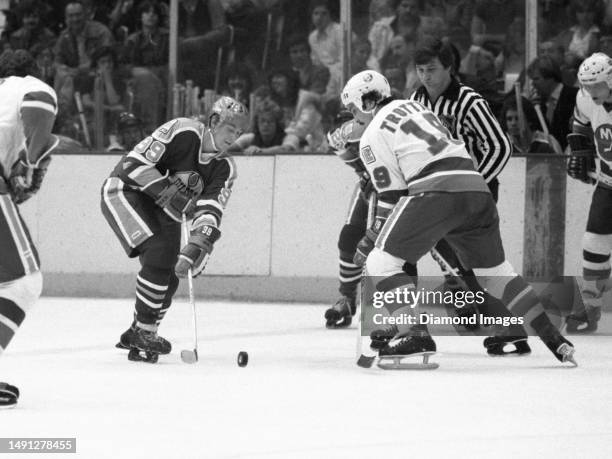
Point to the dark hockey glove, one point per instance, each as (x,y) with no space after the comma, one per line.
(197,250)
(582,161)
(180,195)
(25,181)
(364,247)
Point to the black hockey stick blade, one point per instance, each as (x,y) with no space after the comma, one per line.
(188,356)
(365,361)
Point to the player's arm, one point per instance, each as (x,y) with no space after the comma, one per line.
(208,214)
(491,139)
(38,110)
(581,165)
(138,169)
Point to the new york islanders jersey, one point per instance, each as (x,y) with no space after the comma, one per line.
(405,148)
(593,119)
(19,95)
(176,147)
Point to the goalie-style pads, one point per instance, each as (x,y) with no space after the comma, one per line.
(197,250)
(180,195)
(582,161)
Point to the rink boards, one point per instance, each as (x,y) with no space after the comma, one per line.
(279,233)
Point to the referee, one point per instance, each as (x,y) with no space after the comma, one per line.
(468,117)
(464,112)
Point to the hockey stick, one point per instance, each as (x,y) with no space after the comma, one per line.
(367,358)
(190,356)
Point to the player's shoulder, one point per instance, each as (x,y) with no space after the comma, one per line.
(220,165)
(168,131)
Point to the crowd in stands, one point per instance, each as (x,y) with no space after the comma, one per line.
(284,58)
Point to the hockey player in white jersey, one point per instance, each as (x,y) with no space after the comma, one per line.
(27,114)
(591,138)
(428,189)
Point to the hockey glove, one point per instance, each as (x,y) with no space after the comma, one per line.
(582,161)
(177,199)
(25,180)
(364,247)
(365,184)
(197,250)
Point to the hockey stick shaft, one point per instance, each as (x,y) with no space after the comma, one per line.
(191,295)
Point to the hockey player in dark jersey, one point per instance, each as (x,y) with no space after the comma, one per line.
(344,141)
(27,114)
(180,169)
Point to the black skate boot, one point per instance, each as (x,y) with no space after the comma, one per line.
(8,395)
(127,337)
(498,345)
(400,347)
(380,337)
(584,322)
(147,345)
(340,314)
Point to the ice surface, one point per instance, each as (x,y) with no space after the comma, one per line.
(301,396)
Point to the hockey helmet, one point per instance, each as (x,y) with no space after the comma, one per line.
(230,110)
(596,68)
(367,82)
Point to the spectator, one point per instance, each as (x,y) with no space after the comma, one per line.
(556,52)
(556,99)
(582,39)
(146,53)
(532,139)
(326,38)
(361,59)
(104,66)
(268,133)
(284,86)
(380,9)
(491,19)
(512,57)
(123,19)
(397,80)
(130,131)
(405,22)
(239,82)
(401,55)
(313,77)
(43,55)
(74,49)
(32,31)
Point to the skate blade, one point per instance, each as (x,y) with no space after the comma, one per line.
(188,356)
(121,346)
(397,362)
(136,355)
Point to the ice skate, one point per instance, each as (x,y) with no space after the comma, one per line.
(584,322)
(507,345)
(562,349)
(127,338)
(8,396)
(396,354)
(380,337)
(147,345)
(340,314)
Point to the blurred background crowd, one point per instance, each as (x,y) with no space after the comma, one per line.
(283,59)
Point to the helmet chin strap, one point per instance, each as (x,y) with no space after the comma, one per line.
(212,141)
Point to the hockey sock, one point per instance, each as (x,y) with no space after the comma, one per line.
(11,317)
(172,287)
(349,274)
(151,289)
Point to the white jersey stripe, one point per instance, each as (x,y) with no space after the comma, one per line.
(20,238)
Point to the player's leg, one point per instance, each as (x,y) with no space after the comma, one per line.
(20,282)
(340,314)
(479,246)
(596,246)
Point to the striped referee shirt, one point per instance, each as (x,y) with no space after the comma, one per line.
(466,114)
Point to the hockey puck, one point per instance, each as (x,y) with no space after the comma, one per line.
(242,359)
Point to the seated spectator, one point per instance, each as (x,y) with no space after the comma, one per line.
(268,132)
(284,87)
(130,131)
(478,71)
(43,55)
(104,66)
(405,22)
(238,82)
(361,56)
(380,9)
(32,31)
(74,49)
(313,77)
(555,99)
(146,54)
(326,38)
(556,52)
(582,38)
(401,55)
(491,19)
(532,139)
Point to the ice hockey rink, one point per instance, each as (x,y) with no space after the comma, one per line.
(301,395)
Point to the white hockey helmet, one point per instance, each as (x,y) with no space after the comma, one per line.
(595,69)
(230,110)
(366,82)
